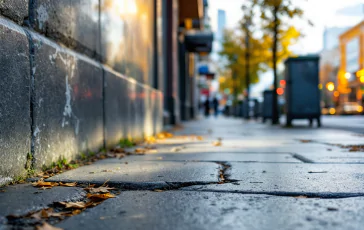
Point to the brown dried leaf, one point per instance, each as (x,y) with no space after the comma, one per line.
(119,150)
(79,205)
(99,189)
(216,143)
(100,197)
(47,213)
(47,226)
(68,184)
(305,141)
(200,138)
(140,150)
(42,183)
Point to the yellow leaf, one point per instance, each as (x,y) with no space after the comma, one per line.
(68,184)
(98,197)
(216,143)
(42,183)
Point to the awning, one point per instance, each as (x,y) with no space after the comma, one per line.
(199,41)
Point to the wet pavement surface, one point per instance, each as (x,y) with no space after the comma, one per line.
(208,210)
(242,175)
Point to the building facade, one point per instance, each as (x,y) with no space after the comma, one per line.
(351,73)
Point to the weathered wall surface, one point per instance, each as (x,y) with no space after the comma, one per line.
(15,132)
(74,76)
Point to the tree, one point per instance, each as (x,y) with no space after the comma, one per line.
(274,13)
(234,51)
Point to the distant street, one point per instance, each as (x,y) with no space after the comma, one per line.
(347,123)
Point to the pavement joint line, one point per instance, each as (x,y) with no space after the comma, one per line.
(302,158)
(308,195)
(208,161)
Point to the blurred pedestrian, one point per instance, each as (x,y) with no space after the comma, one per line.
(207,108)
(215,103)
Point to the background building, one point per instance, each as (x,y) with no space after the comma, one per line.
(351,76)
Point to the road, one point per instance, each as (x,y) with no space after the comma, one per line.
(346,123)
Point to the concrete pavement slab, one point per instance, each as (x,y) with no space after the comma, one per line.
(143,172)
(207,210)
(215,157)
(23,198)
(321,179)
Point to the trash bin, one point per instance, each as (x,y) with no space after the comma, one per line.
(302,91)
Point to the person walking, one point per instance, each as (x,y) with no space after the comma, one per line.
(215,104)
(207,108)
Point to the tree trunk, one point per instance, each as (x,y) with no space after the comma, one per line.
(275,115)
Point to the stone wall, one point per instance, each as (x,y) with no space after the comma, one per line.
(75,76)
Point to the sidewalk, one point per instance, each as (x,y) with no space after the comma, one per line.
(242,175)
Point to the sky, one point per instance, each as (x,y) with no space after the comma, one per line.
(323,13)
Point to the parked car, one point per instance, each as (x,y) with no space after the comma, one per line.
(349,108)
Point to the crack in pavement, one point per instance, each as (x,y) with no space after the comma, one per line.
(224,177)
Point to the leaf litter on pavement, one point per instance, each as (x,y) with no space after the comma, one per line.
(60,210)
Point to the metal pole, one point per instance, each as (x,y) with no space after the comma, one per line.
(247,70)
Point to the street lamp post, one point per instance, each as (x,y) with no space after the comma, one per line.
(247,67)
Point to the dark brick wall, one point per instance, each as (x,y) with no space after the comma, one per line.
(73,77)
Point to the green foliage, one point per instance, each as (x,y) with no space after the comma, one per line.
(61,162)
(103,150)
(264,25)
(83,156)
(126,143)
(73,166)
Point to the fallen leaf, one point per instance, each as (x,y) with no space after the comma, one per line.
(47,213)
(216,143)
(200,138)
(41,183)
(76,212)
(159,158)
(176,149)
(119,150)
(140,150)
(164,135)
(152,151)
(68,184)
(47,226)
(99,197)
(79,205)
(99,189)
(150,140)
(306,141)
